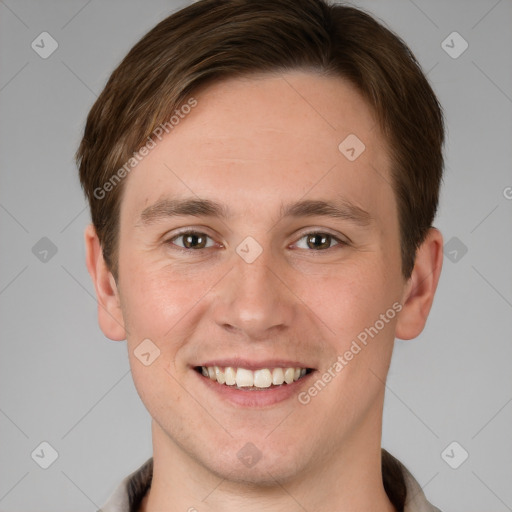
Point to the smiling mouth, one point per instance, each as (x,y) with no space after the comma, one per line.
(248,380)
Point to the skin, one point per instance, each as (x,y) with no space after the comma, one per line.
(254,144)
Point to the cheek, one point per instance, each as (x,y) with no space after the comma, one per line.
(154,299)
(358,306)
(165,306)
(352,298)
(359,310)
(156,307)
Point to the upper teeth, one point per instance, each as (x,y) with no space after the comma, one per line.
(262,378)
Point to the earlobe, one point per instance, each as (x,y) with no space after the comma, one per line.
(110,316)
(421,287)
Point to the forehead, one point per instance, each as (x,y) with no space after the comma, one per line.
(259,139)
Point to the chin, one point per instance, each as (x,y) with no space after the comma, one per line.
(255,464)
(262,474)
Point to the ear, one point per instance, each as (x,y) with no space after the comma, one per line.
(421,286)
(110,316)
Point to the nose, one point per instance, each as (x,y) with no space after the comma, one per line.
(255,299)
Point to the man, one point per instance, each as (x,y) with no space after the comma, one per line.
(262,178)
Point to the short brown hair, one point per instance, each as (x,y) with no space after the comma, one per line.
(212,40)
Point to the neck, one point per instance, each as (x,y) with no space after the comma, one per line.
(346,478)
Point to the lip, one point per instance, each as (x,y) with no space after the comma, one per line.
(255,365)
(264,397)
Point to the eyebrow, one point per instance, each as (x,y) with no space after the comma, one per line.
(342,210)
(168,208)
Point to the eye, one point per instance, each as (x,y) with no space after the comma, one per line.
(192,240)
(318,241)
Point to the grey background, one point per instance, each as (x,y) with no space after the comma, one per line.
(62,382)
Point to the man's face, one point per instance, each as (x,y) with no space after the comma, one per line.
(270,284)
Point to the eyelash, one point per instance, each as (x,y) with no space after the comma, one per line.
(339,242)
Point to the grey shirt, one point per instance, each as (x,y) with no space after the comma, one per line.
(402,488)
